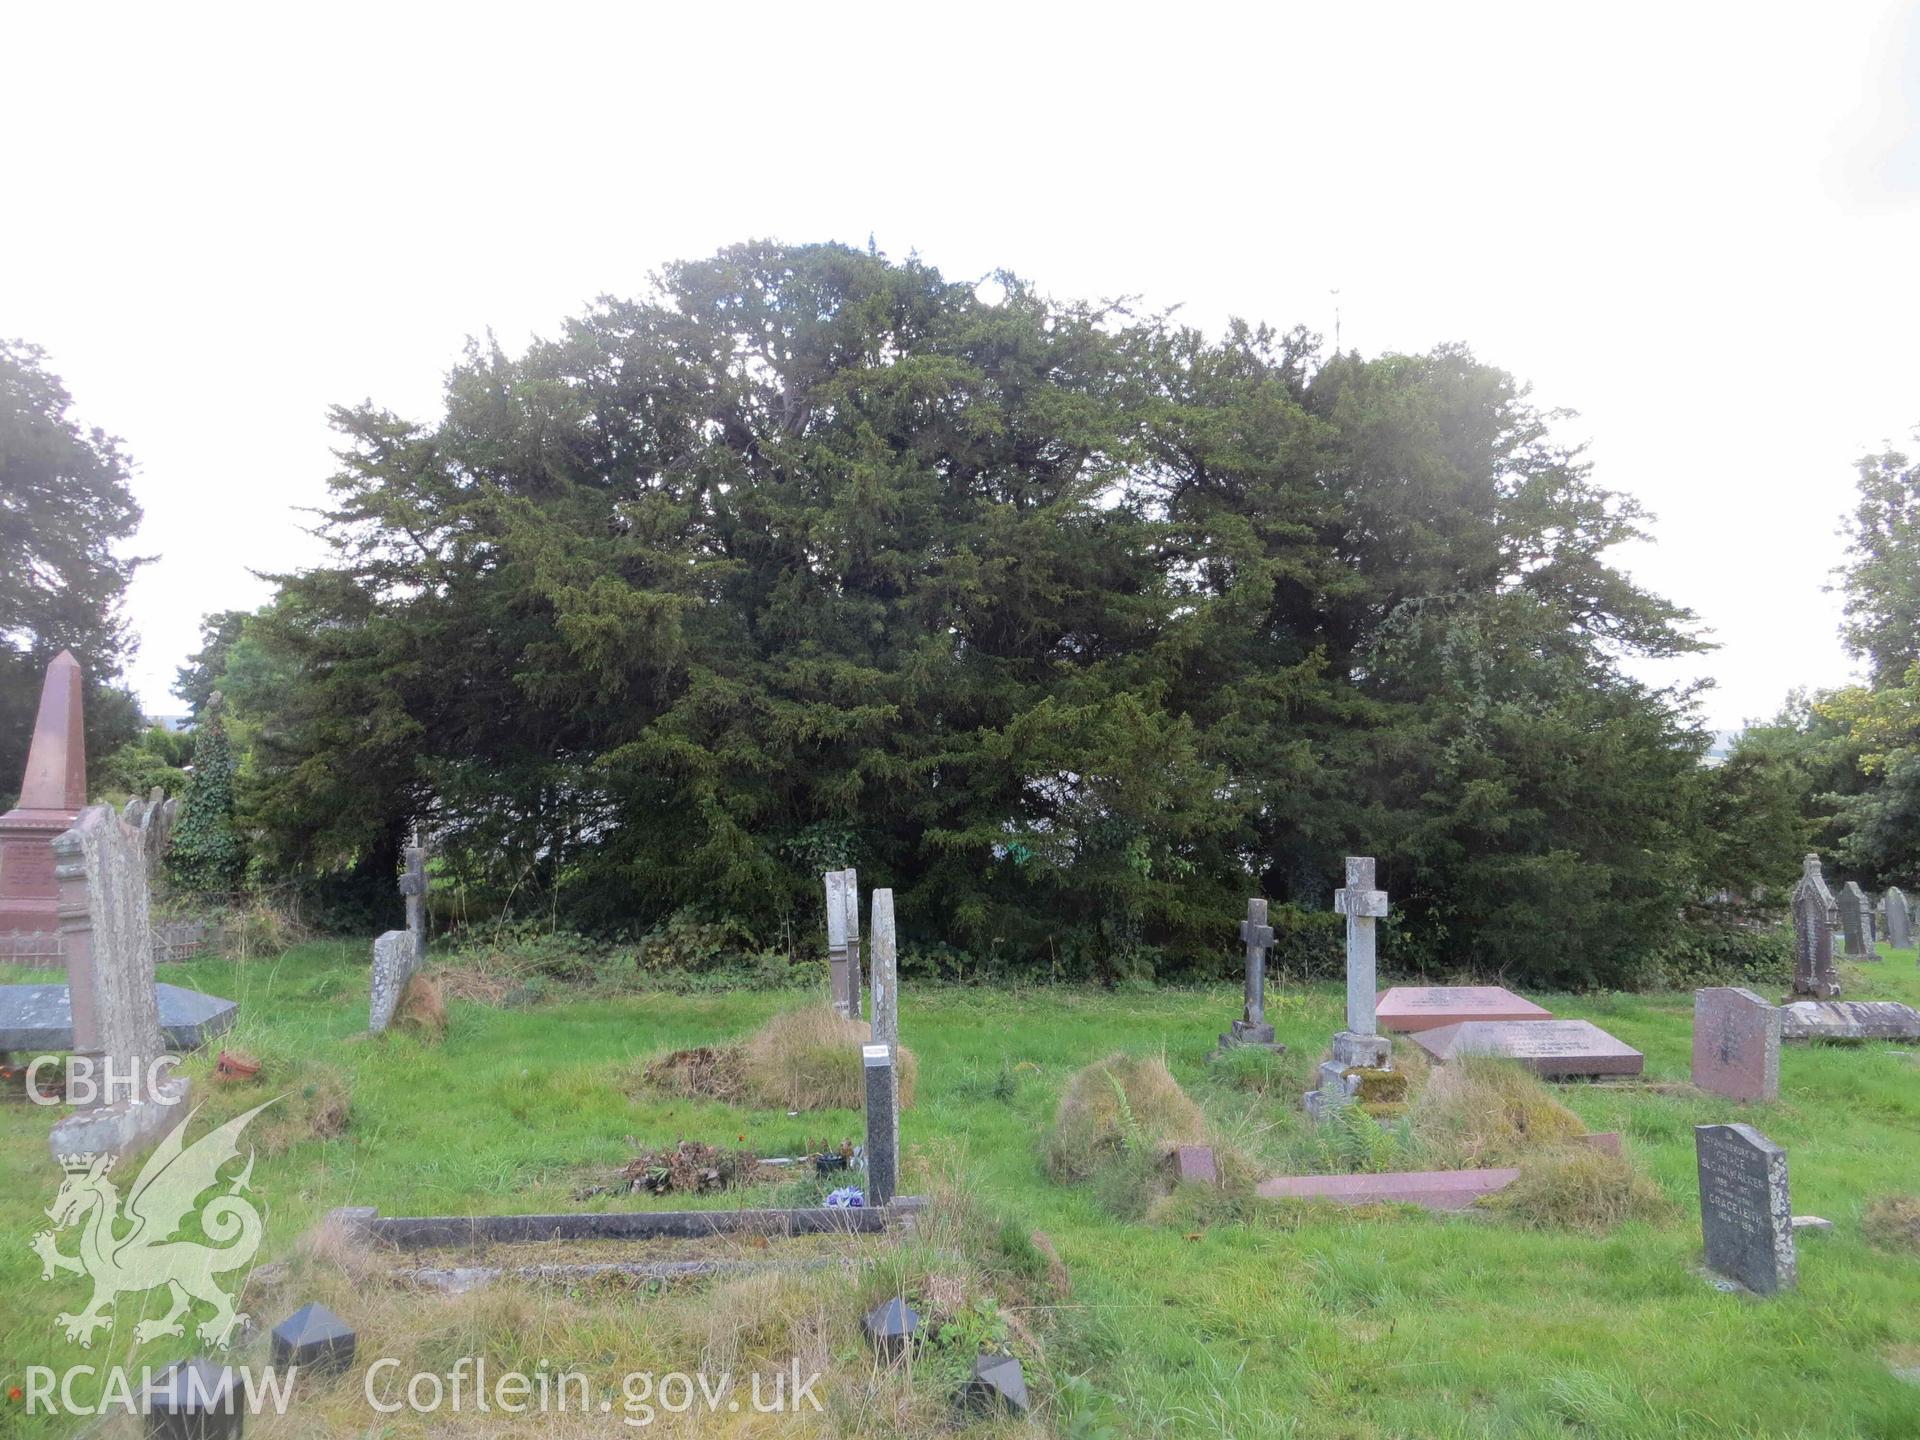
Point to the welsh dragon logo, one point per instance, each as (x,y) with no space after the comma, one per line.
(145,1255)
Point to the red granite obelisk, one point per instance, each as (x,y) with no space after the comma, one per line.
(51,798)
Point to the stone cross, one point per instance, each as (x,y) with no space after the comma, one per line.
(886,971)
(1856,919)
(52,794)
(413,886)
(1252,1027)
(883,1123)
(107,939)
(1899,920)
(1362,905)
(1814,916)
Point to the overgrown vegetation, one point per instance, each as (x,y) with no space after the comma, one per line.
(805,1059)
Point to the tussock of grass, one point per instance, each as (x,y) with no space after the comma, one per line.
(810,1060)
(1893,1223)
(422,1010)
(317,1105)
(1480,1111)
(1258,1071)
(1580,1188)
(1125,1105)
(710,1072)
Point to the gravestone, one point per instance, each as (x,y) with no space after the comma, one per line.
(883,1123)
(52,793)
(1252,1027)
(1551,1049)
(886,971)
(1407,1008)
(1359,1048)
(39,1018)
(1429,1189)
(1899,920)
(194,1399)
(396,956)
(891,1328)
(1814,915)
(1746,1216)
(107,939)
(1849,1020)
(413,888)
(1856,920)
(1736,1044)
(843,941)
(997,1385)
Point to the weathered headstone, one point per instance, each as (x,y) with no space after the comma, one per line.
(1407,1008)
(855,989)
(413,888)
(108,944)
(1551,1049)
(1899,920)
(1195,1165)
(1736,1044)
(1814,915)
(1856,920)
(1848,1020)
(836,883)
(886,971)
(396,958)
(1746,1215)
(1357,1049)
(52,793)
(1252,1027)
(883,1123)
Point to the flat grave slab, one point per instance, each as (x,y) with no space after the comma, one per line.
(40,1017)
(1429,1189)
(1408,1008)
(1552,1049)
(1849,1020)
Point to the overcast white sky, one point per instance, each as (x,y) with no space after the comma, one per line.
(1696,224)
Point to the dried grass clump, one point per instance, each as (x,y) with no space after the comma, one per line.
(1125,1105)
(708,1072)
(422,1010)
(1893,1223)
(317,1106)
(1480,1110)
(810,1060)
(1580,1188)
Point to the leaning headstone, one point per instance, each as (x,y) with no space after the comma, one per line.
(52,794)
(1856,920)
(1899,920)
(1746,1215)
(1814,915)
(1736,1044)
(107,938)
(413,888)
(1252,1027)
(1357,1050)
(193,1400)
(997,1384)
(313,1338)
(891,1328)
(883,1123)
(396,956)
(886,971)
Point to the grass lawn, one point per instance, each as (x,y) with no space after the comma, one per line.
(1314,1324)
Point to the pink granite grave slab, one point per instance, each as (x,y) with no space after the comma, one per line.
(1607,1142)
(1407,1008)
(1552,1049)
(1429,1189)
(1194,1164)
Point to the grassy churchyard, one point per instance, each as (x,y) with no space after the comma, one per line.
(1136,1312)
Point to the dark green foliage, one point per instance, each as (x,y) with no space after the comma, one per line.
(1882,576)
(1073,627)
(206,855)
(64,503)
(159,757)
(202,674)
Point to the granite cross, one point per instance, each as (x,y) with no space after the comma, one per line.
(1362,905)
(1257,934)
